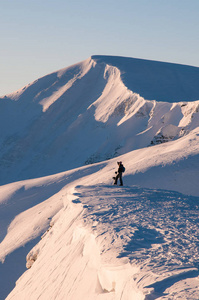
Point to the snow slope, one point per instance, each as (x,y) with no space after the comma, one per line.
(106,242)
(84,238)
(156,80)
(91,105)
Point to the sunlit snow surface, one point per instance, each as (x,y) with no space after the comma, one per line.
(105,106)
(156,230)
(117,243)
(84,238)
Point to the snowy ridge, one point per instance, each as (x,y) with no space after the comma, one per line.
(110,243)
(84,238)
(128,228)
(87,104)
(161,81)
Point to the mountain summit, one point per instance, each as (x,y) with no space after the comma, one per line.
(155,80)
(92,111)
(83,237)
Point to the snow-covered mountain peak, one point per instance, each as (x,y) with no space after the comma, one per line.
(156,80)
(52,86)
(83,237)
(90,105)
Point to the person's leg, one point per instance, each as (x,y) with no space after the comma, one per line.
(121,181)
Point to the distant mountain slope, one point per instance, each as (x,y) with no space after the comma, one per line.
(87,113)
(155,80)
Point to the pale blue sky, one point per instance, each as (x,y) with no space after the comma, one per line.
(41,36)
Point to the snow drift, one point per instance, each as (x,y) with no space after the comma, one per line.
(82,237)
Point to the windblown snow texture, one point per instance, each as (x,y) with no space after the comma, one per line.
(84,238)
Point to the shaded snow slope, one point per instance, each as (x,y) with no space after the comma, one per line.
(85,114)
(26,210)
(155,80)
(92,243)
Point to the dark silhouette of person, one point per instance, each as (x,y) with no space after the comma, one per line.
(119,173)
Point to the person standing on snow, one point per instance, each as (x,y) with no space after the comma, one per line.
(119,173)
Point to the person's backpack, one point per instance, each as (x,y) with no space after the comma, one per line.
(123,169)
